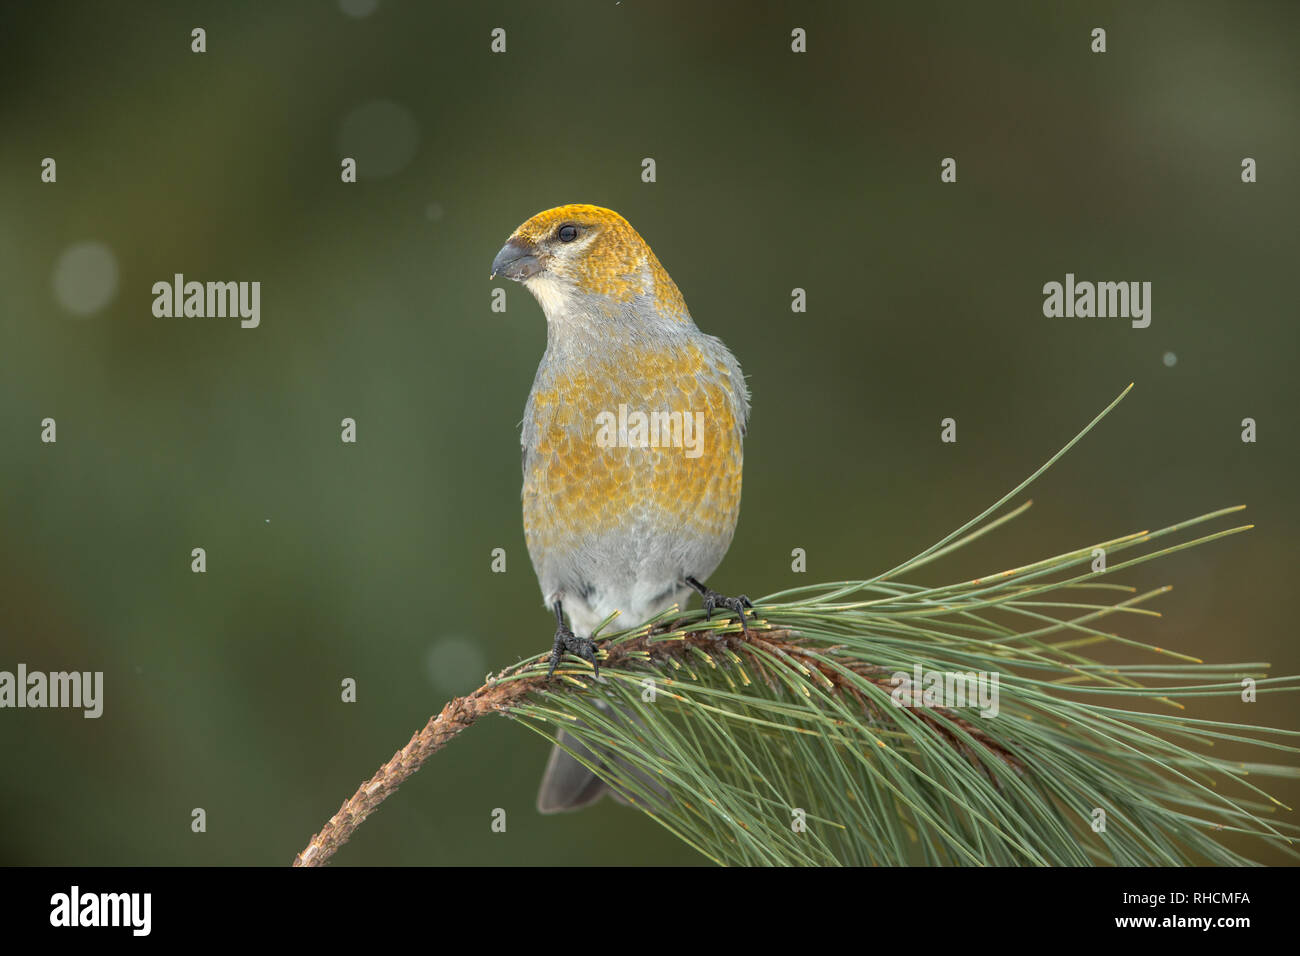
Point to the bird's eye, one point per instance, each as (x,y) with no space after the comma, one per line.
(568,232)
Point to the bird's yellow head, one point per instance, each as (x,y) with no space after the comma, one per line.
(580,259)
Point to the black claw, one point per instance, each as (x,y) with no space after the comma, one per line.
(566,640)
(713,600)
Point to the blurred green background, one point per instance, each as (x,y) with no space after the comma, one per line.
(775,171)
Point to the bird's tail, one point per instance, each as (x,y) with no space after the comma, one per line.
(568,785)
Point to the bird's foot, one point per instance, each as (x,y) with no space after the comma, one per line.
(566,640)
(714,600)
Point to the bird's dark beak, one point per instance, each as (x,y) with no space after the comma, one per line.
(518,259)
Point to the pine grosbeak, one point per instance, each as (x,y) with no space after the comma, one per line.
(631,442)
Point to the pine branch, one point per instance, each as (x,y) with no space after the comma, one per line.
(788,745)
(498,695)
(773,652)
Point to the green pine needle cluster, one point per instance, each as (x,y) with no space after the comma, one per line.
(786,745)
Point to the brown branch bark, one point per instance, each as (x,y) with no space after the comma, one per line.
(496,696)
(450,721)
